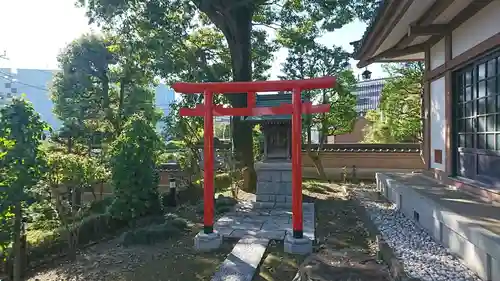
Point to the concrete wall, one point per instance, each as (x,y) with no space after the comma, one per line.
(35,83)
(366,158)
(477,29)
(437,122)
(355,136)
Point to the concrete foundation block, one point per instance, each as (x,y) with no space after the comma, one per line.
(276,176)
(300,246)
(286,176)
(262,187)
(285,189)
(265,176)
(207,242)
(266,198)
(283,205)
(263,205)
(280,198)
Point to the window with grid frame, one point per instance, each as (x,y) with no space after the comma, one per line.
(479,106)
(477,123)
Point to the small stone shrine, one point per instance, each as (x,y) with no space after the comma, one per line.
(274,172)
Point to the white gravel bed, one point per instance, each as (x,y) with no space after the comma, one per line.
(421,256)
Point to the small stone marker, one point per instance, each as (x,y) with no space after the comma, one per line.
(243,261)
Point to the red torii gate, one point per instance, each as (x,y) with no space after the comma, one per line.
(208,110)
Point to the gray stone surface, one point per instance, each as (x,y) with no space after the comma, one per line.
(280,198)
(243,261)
(301,246)
(273,235)
(207,242)
(264,219)
(274,182)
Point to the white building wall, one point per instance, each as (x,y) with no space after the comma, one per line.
(437,54)
(437,120)
(34,83)
(480,27)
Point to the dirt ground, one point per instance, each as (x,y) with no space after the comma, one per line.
(172,260)
(344,251)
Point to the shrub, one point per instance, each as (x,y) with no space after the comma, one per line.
(41,216)
(43,244)
(223,204)
(100,206)
(133,170)
(154,233)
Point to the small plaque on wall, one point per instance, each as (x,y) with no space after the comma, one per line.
(438,156)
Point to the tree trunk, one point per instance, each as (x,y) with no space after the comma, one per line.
(18,255)
(316,158)
(121,99)
(235,22)
(70,144)
(243,144)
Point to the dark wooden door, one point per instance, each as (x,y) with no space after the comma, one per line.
(477,121)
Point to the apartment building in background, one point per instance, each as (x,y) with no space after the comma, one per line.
(367,94)
(34,84)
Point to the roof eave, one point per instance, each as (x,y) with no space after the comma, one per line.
(396,55)
(373,26)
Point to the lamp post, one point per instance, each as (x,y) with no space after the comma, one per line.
(172,192)
(367,74)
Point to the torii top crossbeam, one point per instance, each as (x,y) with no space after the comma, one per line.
(254,86)
(208,110)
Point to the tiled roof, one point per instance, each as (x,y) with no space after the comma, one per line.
(378,15)
(272,101)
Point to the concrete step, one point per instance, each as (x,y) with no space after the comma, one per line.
(243,261)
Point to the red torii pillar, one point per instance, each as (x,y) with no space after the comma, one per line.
(208,110)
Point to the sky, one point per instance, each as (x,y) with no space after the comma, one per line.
(32,32)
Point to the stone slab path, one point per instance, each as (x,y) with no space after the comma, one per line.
(264,220)
(243,261)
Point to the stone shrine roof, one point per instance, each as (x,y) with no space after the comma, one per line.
(272,100)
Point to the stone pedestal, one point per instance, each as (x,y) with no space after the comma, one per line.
(300,246)
(207,242)
(274,181)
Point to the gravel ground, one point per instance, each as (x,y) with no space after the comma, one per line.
(422,257)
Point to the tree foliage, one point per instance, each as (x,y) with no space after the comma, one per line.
(21,167)
(68,176)
(100,85)
(398,118)
(133,167)
(164,28)
(309,60)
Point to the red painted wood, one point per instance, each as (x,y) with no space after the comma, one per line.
(208,173)
(297,163)
(296,109)
(251,99)
(283,109)
(254,86)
